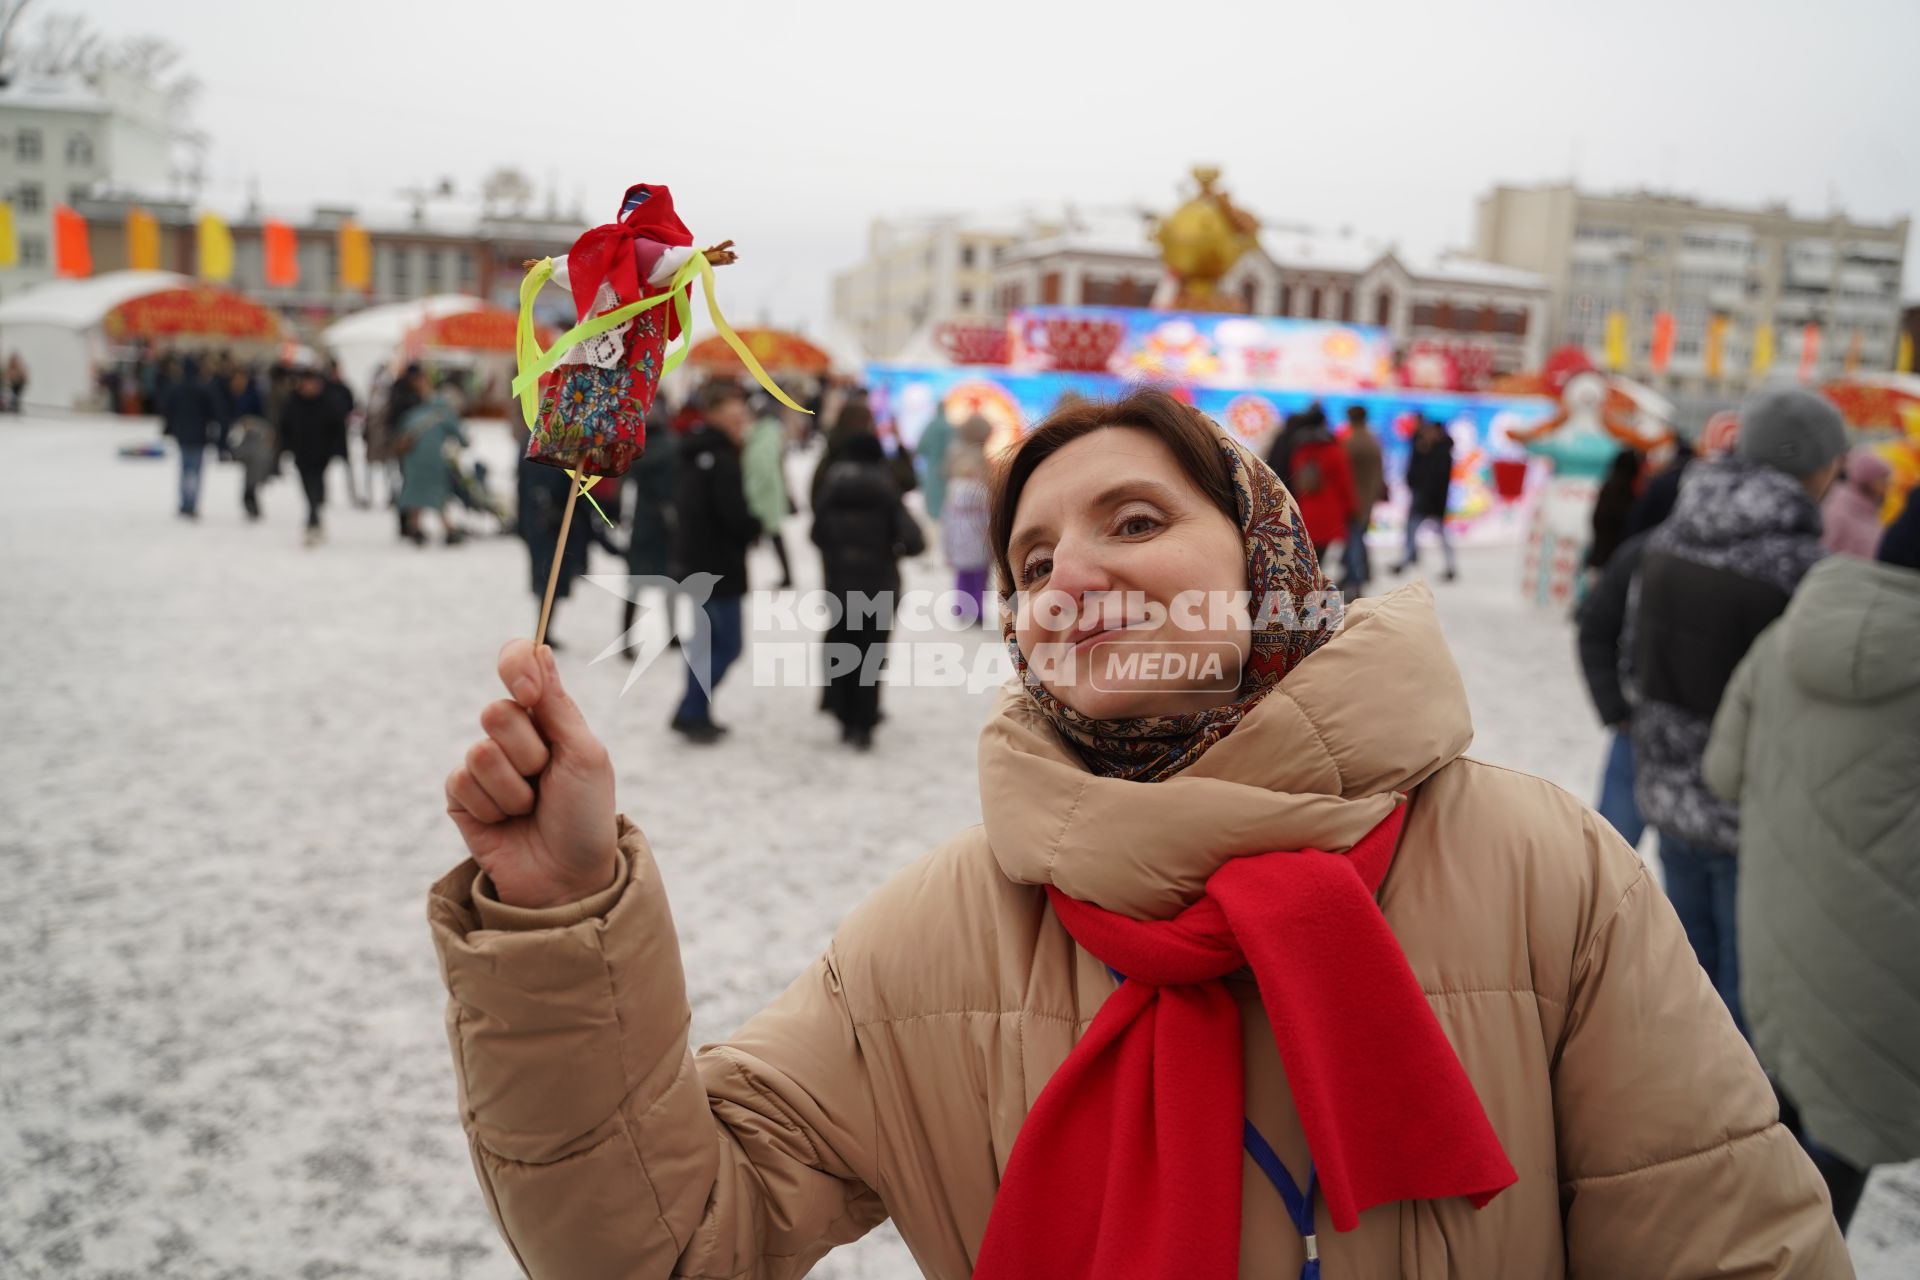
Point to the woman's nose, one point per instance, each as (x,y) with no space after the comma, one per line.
(1079,573)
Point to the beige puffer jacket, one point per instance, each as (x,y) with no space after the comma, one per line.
(891,1079)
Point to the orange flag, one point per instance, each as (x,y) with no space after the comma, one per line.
(1662,346)
(143,240)
(72,256)
(282,251)
(1716,345)
(1809,351)
(356,257)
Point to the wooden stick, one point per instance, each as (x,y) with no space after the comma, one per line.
(559,551)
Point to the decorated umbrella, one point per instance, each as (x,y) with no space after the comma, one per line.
(777,351)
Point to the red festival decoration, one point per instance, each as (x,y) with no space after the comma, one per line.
(974,343)
(197,311)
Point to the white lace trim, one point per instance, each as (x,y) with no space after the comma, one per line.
(603,351)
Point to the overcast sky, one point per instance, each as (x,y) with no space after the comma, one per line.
(789,127)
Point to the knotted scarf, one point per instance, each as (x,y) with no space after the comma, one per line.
(1130,1162)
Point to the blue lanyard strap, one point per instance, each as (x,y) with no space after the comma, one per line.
(1299,1204)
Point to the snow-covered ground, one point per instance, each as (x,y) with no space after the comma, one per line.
(221,1051)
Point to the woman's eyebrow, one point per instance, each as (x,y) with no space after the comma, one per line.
(1111,496)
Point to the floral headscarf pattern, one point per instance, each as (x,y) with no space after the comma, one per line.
(1295,611)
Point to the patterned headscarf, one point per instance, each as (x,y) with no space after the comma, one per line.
(1295,611)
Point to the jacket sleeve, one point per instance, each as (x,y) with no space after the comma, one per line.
(1673,1161)
(603,1146)
(1602,618)
(1725,763)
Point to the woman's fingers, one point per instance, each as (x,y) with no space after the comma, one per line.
(466,797)
(488,765)
(520,671)
(508,724)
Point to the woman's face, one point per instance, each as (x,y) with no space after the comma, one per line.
(1131,583)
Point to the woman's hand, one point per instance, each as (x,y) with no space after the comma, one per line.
(534,798)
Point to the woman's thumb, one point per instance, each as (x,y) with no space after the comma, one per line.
(556,713)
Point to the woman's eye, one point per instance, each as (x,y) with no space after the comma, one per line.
(1037,567)
(1134,526)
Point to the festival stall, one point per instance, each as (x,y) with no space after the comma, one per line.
(1247,372)
(68,331)
(377,336)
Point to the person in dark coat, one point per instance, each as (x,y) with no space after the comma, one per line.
(1611,507)
(312,430)
(1659,493)
(1429,477)
(650,488)
(1745,530)
(190,413)
(855,421)
(540,504)
(1280,452)
(341,396)
(862,529)
(713,529)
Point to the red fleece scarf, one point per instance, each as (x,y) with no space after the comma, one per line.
(1130,1162)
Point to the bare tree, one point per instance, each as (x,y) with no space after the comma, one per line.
(10,11)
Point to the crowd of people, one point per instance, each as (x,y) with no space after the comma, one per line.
(1748,639)
(1338,480)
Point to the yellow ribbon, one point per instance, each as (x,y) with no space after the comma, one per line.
(533,362)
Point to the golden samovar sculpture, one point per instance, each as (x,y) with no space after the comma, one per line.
(1201,240)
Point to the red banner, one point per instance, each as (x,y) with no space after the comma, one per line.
(202,311)
(72,255)
(281,249)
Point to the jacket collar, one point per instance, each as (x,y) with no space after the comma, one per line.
(1317,764)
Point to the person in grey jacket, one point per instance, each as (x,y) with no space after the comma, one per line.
(1722,567)
(1818,741)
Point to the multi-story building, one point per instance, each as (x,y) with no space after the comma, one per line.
(1487,319)
(419,250)
(1803,295)
(61,139)
(917,273)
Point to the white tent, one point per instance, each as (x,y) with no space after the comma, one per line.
(365,340)
(55,329)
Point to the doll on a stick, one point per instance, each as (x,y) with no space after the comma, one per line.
(586,397)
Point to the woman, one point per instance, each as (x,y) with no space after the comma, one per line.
(1429,481)
(1321,483)
(763,469)
(967,511)
(1496,1003)
(1850,513)
(862,529)
(1610,507)
(426,479)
